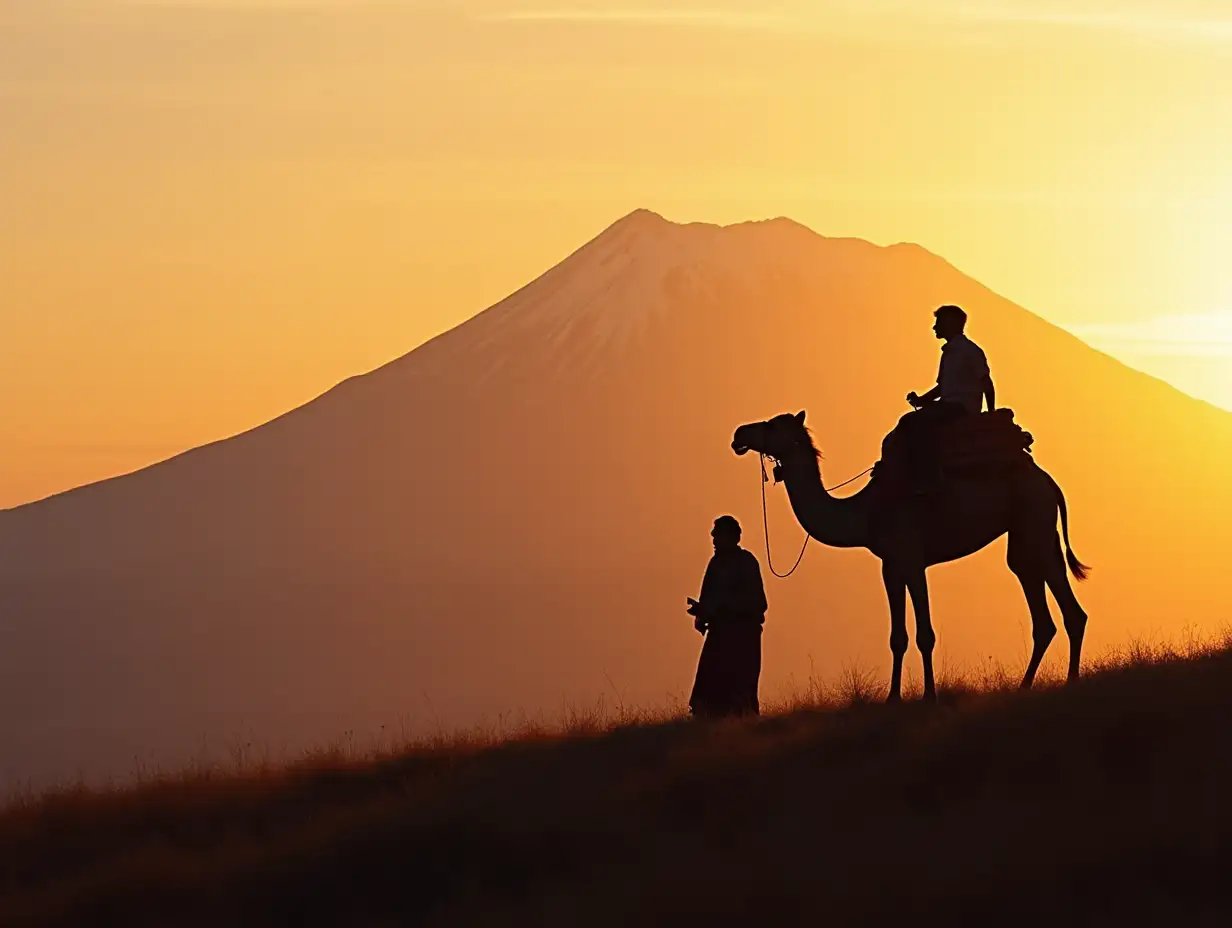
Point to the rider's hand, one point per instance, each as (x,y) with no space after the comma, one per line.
(914,400)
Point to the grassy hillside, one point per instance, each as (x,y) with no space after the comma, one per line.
(1104,803)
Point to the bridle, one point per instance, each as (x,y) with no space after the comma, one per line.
(777,471)
(765,519)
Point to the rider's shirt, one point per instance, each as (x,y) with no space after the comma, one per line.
(964,373)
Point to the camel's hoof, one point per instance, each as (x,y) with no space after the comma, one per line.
(893,699)
(929,696)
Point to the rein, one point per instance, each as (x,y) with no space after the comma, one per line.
(765,517)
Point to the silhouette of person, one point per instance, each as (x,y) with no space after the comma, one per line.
(730,614)
(963,383)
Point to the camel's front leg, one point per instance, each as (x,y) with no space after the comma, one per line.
(896,592)
(925,639)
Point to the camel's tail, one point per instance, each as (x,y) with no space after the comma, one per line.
(1080,570)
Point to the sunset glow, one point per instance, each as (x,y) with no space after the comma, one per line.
(468,364)
(216,209)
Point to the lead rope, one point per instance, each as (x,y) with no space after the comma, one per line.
(765,519)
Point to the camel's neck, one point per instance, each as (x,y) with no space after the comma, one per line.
(840,523)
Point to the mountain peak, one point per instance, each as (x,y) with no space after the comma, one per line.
(642,216)
(637,223)
(622,282)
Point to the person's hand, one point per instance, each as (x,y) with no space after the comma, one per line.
(913,399)
(700,624)
(693,606)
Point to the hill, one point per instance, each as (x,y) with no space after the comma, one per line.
(1102,803)
(511,515)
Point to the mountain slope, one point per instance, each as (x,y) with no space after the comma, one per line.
(510,515)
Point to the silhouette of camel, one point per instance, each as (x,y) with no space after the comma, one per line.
(910,535)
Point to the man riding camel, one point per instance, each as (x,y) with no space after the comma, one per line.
(963,384)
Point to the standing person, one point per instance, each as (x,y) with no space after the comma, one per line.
(964,382)
(730,613)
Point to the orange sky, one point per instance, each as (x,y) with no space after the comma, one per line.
(215,209)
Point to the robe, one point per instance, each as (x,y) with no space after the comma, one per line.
(733,607)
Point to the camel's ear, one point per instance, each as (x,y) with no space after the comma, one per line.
(800,417)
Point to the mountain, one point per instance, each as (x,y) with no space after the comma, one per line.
(507,519)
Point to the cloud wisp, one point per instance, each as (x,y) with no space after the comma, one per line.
(1161,26)
(254,6)
(723,19)
(1186,335)
(1170,26)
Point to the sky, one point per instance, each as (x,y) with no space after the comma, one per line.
(214,210)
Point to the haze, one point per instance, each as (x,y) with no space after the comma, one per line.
(216,209)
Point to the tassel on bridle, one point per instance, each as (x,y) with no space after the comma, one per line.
(776,470)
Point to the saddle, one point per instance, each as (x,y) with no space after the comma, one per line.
(989,439)
(969,445)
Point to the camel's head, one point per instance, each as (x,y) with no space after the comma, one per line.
(776,438)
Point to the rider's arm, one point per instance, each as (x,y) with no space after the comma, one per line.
(931,395)
(983,376)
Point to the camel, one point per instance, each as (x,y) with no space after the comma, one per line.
(911,534)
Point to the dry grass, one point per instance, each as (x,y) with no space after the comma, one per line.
(1101,803)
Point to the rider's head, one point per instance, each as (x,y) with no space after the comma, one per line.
(951,320)
(726,533)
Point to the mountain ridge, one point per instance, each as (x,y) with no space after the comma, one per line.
(642,218)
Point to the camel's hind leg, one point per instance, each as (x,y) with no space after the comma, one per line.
(1025,563)
(1043,628)
(1072,613)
